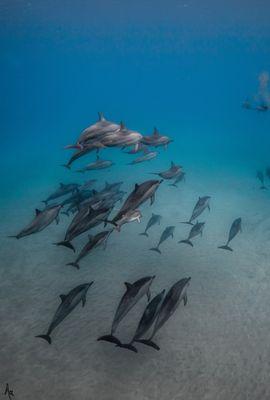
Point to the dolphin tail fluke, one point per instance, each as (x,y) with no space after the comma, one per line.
(74,264)
(148,343)
(110,339)
(187,223)
(128,347)
(144,234)
(155,249)
(45,337)
(65,243)
(187,242)
(226,247)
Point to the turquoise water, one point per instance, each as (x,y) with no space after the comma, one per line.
(185,67)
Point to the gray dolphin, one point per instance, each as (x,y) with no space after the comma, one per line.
(178,179)
(168,232)
(41,221)
(68,303)
(128,216)
(146,321)
(156,139)
(196,230)
(134,292)
(84,220)
(173,298)
(148,156)
(200,206)
(88,148)
(235,229)
(170,173)
(155,219)
(137,197)
(93,242)
(63,190)
(98,164)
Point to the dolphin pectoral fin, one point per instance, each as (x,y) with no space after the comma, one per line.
(45,337)
(83,301)
(186,241)
(226,247)
(110,339)
(152,199)
(62,297)
(144,234)
(155,249)
(148,294)
(128,347)
(57,220)
(208,207)
(65,243)
(185,300)
(128,285)
(148,343)
(74,264)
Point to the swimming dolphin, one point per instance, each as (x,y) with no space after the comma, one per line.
(170,173)
(68,303)
(148,156)
(260,176)
(84,220)
(137,197)
(93,242)
(235,229)
(196,230)
(63,190)
(155,219)
(168,232)
(146,321)
(200,206)
(42,219)
(128,216)
(173,298)
(178,179)
(98,164)
(134,292)
(156,139)
(88,148)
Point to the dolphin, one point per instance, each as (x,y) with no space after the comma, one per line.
(134,292)
(146,321)
(178,179)
(196,230)
(98,164)
(168,232)
(124,138)
(68,303)
(63,190)
(156,139)
(148,156)
(173,298)
(93,242)
(170,173)
(235,229)
(200,206)
(42,219)
(128,216)
(95,145)
(84,220)
(260,176)
(155,219)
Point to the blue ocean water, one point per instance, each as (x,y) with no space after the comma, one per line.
(185,67)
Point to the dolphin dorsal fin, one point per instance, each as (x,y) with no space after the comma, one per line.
(172,164)
(136,186)
(128,285)
(101,116)
(122,126)
(37,211)
(62,297)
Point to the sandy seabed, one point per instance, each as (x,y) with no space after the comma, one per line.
(215,348)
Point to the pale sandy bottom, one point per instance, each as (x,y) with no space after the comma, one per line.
(215,348)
